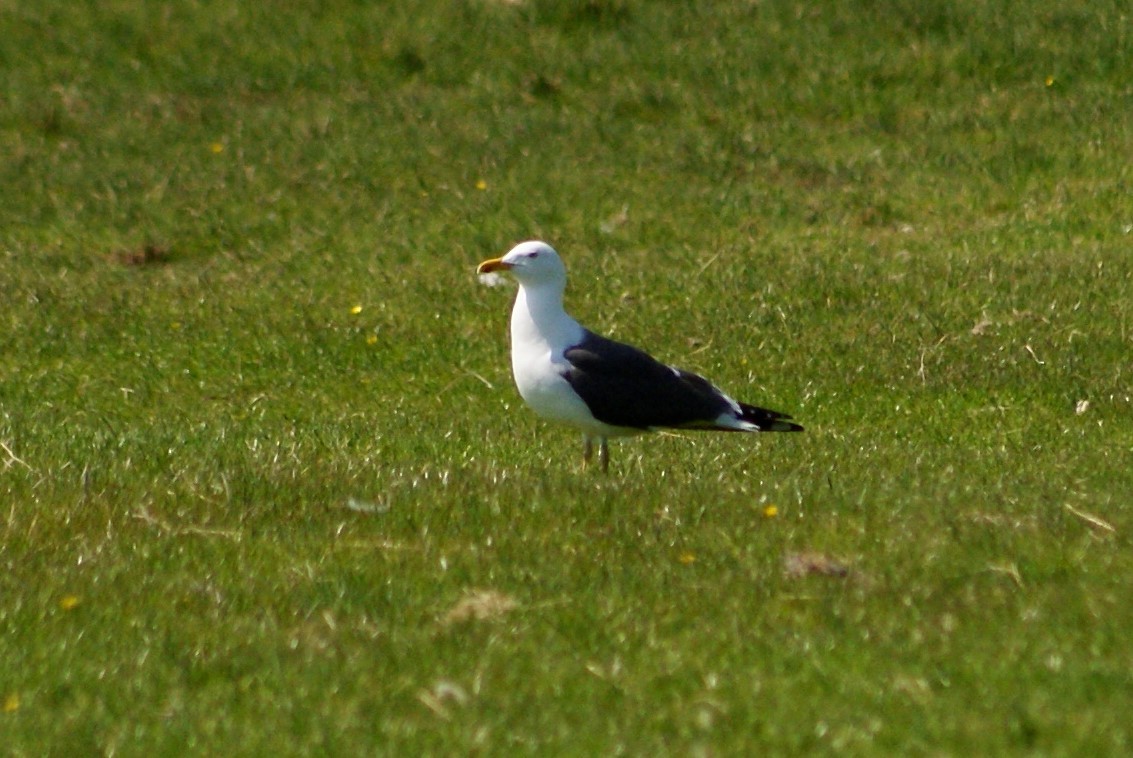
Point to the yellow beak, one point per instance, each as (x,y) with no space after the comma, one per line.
(494,264)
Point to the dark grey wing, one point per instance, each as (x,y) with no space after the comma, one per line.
(624,386)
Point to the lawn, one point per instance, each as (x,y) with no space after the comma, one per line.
(268,488)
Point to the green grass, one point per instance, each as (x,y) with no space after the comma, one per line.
(238,516)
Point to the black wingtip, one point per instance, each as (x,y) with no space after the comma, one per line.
(768,420)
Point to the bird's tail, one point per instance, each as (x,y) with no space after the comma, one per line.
(767,420)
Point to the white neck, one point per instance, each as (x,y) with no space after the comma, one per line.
(538,317)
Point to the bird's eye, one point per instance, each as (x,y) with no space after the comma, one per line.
(533,255)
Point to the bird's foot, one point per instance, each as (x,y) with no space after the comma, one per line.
(588,452)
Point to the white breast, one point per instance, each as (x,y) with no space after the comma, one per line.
(543,387)
(539,337)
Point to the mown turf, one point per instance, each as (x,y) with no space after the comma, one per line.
(268,489)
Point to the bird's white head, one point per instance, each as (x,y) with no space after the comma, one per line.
(533,264)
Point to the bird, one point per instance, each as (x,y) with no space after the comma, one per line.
(567,373)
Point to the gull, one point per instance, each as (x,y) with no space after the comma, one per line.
(567,373)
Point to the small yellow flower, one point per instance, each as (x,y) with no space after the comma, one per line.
(1050,81)
(69,602)
(216,148)
(770,511)
(481,184)
(176,325)
(686,558)
(371,339)
(355,310)
(11,703)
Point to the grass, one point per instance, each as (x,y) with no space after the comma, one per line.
(244,514)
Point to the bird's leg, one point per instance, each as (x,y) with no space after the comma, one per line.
(603,454)
(587,450)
